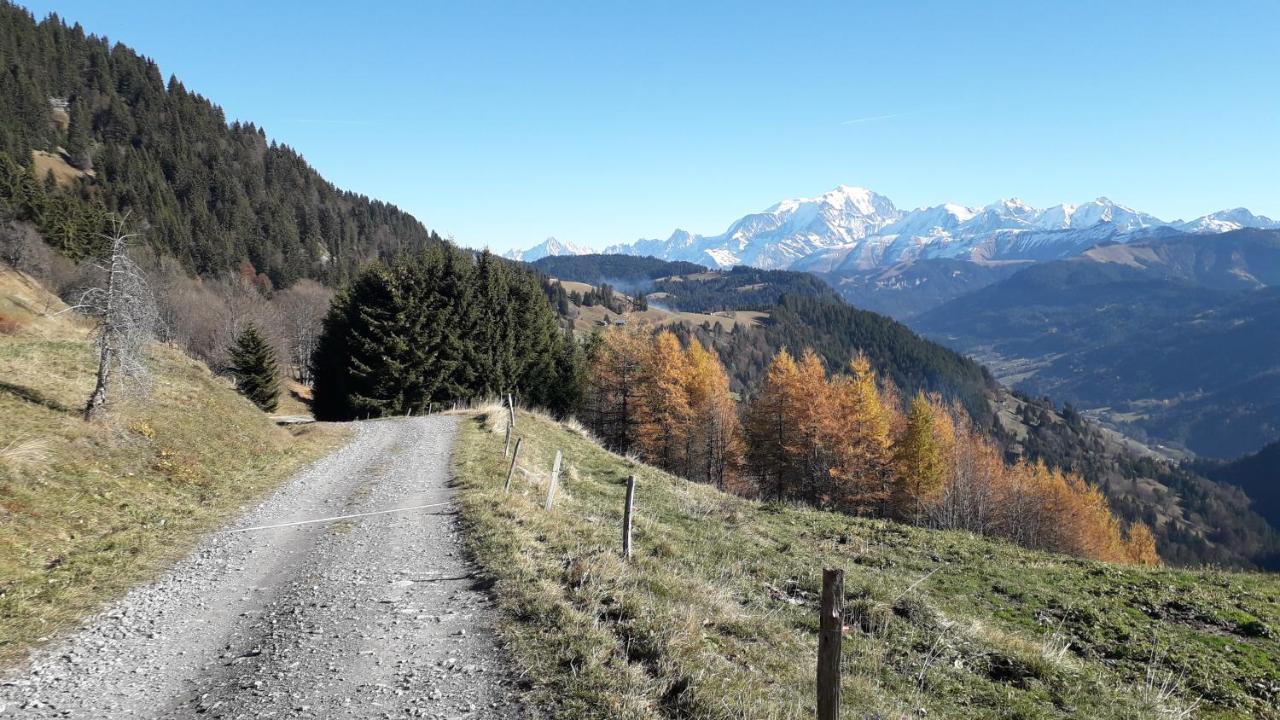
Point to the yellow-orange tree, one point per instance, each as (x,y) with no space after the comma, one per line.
(842,442)
(672,405)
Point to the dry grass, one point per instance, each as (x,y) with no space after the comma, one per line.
(47,162)
(87,510)
(716,616)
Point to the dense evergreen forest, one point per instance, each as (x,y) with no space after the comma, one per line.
(437,326)
(742,288)
(210,193)
(627,272)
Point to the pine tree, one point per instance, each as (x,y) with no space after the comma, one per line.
(79,140)
(253,363)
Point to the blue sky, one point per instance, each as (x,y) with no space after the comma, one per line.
(601,122)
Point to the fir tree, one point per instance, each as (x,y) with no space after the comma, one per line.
(253,363)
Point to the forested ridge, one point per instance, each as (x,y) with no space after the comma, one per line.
(210,193)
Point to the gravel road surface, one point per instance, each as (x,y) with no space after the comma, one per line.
(370,617)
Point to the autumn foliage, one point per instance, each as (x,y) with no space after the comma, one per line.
(669,404)
(842,442)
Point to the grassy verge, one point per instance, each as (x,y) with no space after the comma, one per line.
(88,510)
(716,616)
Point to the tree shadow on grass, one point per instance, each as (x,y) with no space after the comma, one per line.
(33,396)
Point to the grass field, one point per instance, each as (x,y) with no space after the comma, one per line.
(88,510)
(716,616)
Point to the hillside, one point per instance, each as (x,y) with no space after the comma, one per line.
(716,615)
(87,510)
(1195,519)
(213,194)
(907,289)
(625,272)
(1258,475)
(1172,341)
(784,309)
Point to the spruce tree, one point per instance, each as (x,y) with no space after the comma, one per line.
(253,363)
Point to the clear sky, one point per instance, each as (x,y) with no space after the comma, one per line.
(602,121)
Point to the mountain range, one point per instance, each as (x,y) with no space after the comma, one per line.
(550,247)
(853,229)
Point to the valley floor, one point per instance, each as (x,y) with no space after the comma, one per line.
(372,616)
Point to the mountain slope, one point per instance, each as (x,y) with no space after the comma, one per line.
(1172,339)
(89,509)
(716,613)
(215,195)
(909,288)
(1257,474)
(1195,519)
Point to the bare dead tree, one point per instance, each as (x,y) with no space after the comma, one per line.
(302,308)
(127,318)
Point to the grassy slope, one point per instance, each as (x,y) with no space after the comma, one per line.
(716,616)
(587,319)
(88,510)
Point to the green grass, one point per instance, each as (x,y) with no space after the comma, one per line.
(89,510)
(716,615)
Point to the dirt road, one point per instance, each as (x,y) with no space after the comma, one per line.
(375,616)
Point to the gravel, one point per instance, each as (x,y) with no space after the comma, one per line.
(371,617)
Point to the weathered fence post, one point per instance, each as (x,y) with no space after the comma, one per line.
(626,517)
(555,480)
(830,631)
(511,408)
(506,444)
(512,470)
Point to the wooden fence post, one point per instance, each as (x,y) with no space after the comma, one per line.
(511,407)
(830,631)
(512,470)
(626,517)
(506,445)
(555,480)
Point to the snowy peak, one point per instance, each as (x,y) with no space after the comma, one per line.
(851,226)
(547,248)
(1102,210)
(1228,220)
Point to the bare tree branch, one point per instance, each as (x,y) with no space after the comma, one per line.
(127,318)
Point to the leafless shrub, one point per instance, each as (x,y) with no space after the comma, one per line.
(23,249)
(301,310)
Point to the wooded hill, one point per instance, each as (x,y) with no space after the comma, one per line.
(211,193)
(1195,520)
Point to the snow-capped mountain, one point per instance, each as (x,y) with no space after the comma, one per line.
(1228,220)
(855,228)
(550,246)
